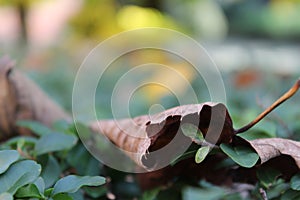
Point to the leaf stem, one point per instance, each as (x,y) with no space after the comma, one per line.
(282,99)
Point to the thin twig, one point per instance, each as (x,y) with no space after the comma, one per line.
(282,99)
(263,194)
(276,117)
(24,154)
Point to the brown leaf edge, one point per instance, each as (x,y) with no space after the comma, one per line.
(22,99)
(268,148)
(144,134)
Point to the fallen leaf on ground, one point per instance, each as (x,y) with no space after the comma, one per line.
(269,148)
(22,99)
(145,134)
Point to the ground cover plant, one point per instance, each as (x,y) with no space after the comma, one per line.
(38,162)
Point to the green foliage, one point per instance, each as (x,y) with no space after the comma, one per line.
(243,156)
(18,175)
(36,127)
(295,182)
(54,142)
(60,159)
(59,153)
(193,132)
(239,156)
(29,191)
(33,169)
(267,176)
(51,171)
(71,183)
(201,154)
(7,157)
(290,195)
(206,191)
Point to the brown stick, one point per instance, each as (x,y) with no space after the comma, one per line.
(282,99)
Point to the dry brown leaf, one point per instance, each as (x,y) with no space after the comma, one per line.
(22,99)
(272,147)
(145,133)
(149,133)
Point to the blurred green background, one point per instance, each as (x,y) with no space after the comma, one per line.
(254,43)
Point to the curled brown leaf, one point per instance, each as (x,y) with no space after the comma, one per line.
(22,99)
(269,148)
(145,134)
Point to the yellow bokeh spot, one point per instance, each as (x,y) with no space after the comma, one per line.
(132,17)
(179,77)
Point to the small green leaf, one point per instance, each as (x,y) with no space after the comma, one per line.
(35,127)
(7,157)
(267,176)
(6,196)
(192,131)
(295,182)
(72,183)
(19,174)
(51,171)
(201,154)
(85,164)
(242,155)
(27,139)
(61,126)
(48,192)
(40,184)
(276,189)
(28,191)
(54,142)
